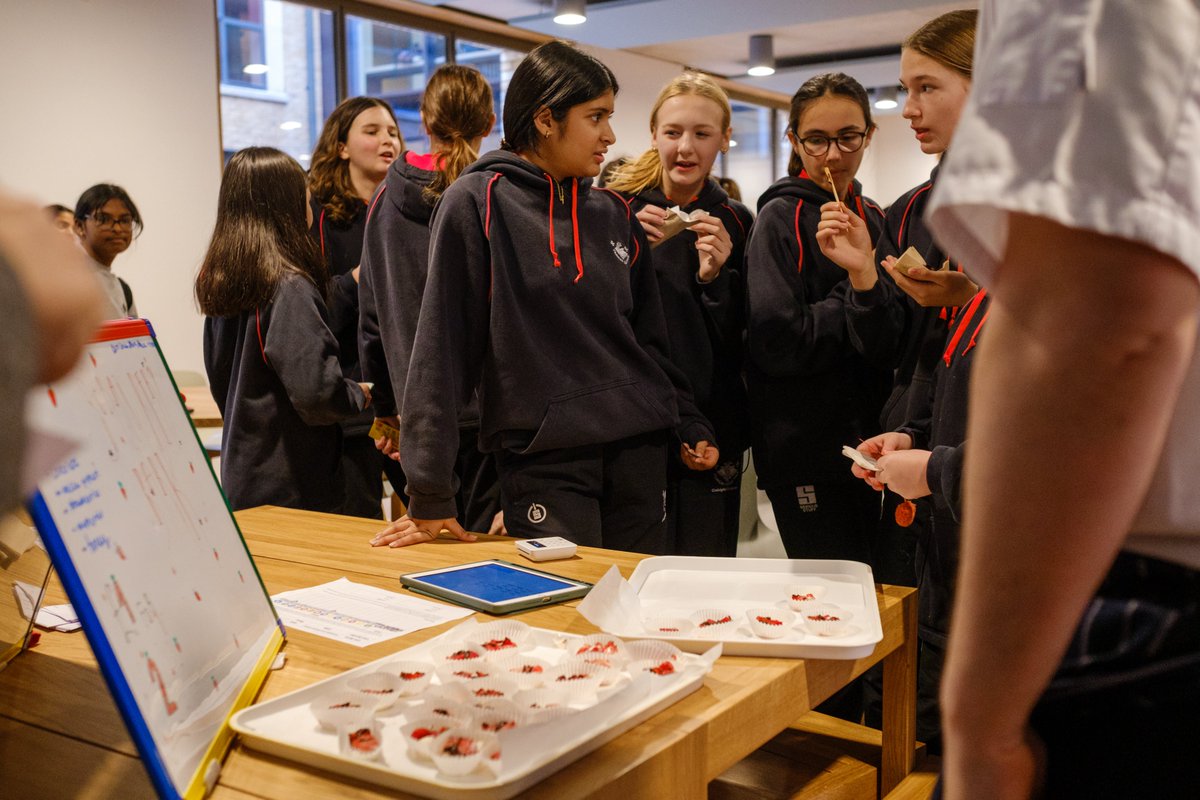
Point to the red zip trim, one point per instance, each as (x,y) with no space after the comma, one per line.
(735,218)
(487,218)
(575,227)
(374,202)
(962,326)
(321,231)
(799,243)
(908,208)
(261,347)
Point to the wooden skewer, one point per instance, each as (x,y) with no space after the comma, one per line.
(829,177)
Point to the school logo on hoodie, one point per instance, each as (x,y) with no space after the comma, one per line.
(620,251)
(537,513)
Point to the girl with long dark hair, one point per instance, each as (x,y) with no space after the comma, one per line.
(271,359)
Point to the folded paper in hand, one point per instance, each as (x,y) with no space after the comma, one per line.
(678,221)
(859,458)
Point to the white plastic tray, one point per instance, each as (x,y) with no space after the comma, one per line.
(680,585)
(285,727)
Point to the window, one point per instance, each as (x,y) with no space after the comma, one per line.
(287,108)
(298,71)
(243,48)
(497,65)
(393,63)
(752,160)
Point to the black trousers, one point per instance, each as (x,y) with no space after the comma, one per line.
(829,515)
(478,497)
(610,495)
(704,508)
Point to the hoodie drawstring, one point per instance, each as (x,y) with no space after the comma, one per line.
(553,251)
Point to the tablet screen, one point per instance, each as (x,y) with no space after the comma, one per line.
(495,583)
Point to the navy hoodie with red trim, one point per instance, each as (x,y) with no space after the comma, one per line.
(810,390)
(391,282)
(275,376)
(341,246)
(706,322)
(944,434)
(889,327)
(541,295)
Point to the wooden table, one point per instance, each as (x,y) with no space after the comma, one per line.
(60,734)
(203,407)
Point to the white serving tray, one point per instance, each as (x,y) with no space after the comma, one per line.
(681,585)
(285,727)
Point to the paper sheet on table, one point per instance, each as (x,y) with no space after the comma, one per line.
(56,618)
(359,615)
(612,603)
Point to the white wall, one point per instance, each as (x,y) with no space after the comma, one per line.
(121,91)
(894,162)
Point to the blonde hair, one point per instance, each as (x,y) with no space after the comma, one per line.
(948,40)
(456,108)
(646,171)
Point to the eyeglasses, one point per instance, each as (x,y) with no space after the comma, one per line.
(848,142)
(103,220)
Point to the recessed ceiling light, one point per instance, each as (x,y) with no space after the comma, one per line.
(255,69)
(290,125)
(733,142)
(570,12)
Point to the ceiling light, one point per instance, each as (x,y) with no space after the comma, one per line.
(255,69)
(733,142)
(886,98)
(570,12)
(762,55)
(290,125)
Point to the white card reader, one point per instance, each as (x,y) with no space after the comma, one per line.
(550,548)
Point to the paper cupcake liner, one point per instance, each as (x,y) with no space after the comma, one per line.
(527,671)
(713,623)
(668,626)
(802,596)
(651,649)
(458,751)
(770,623)
(502,637)
(342,707)
(414,676)
(384,687)
(361,741)
(826,619)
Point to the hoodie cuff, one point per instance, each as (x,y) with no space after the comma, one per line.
(696,431)
(870,298)
(430,507)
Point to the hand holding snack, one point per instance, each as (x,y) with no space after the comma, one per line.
(386,433)
(703,456)
(930,288)
(676,222)
(872,450)
(653,218)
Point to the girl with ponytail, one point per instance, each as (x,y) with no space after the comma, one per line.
(456,111)
(700,274)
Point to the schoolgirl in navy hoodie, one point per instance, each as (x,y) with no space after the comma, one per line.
(700,278)
(925,323)
(811,391)
(903,319)
(542,297)
(358,143)
(271,359)
(456,110)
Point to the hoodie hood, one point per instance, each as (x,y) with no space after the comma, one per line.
(406,184)
(711,196)
(562,199)
(803,187)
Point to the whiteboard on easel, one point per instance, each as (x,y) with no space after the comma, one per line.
(151,557)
